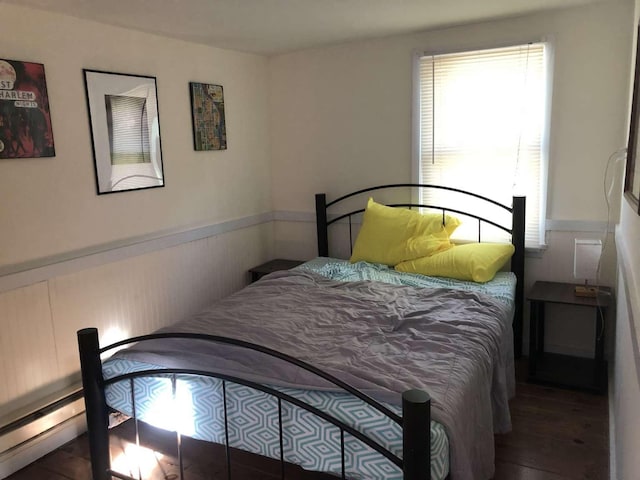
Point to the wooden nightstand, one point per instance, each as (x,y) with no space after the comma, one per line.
(565,370)
(272,266)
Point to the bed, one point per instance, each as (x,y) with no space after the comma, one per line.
(321,366)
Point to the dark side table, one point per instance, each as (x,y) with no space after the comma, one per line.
(565,370)
(272,266)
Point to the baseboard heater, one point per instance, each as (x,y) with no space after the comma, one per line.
(36,422)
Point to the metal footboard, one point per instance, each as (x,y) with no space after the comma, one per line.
(415,420)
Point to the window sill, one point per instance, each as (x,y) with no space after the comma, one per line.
(535,252)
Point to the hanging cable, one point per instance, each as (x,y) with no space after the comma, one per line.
(613,159)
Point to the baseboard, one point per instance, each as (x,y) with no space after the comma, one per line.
(39,422)
(31,450)
(34,432)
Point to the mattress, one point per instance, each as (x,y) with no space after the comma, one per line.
(253,416)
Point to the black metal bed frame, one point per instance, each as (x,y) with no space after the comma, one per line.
(416,404)
(516,230)
(415,420)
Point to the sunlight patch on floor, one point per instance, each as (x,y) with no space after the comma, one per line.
(136,461)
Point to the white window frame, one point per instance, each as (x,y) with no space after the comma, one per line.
(544,160)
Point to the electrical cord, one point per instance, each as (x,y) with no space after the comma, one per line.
(613,160)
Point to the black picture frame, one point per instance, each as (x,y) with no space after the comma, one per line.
(125,131)
(632,171)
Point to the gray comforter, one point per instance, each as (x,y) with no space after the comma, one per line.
(380,338)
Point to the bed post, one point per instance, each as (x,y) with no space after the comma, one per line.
(416,435)
(95,403)
(321,225)
(517,267)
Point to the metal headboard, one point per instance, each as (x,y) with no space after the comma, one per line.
(516,230)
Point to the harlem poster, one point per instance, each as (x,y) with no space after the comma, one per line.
(25,121)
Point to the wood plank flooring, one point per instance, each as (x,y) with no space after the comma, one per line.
(557,435)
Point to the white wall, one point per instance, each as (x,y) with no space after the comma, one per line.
(341,116)
(625,395)
(49,206)
(127,262)
(341,120)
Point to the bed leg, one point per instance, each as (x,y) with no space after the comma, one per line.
(95,403)
(416,436)
(321,225)
(517,262)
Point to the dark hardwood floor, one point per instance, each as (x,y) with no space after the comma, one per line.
(557,435)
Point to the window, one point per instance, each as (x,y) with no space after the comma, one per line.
(482,128)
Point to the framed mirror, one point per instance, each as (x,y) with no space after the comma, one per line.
(125,131)
(632,174)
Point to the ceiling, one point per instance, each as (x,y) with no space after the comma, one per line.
(272,27)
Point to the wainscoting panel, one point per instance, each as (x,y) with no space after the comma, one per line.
(27,349)
(122,298)
(141,294)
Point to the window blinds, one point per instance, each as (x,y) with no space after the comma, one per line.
(128,129)
(482,122)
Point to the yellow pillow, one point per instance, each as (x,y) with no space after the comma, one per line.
(392,235)
(474,261)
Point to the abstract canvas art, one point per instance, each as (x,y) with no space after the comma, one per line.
(207,108)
